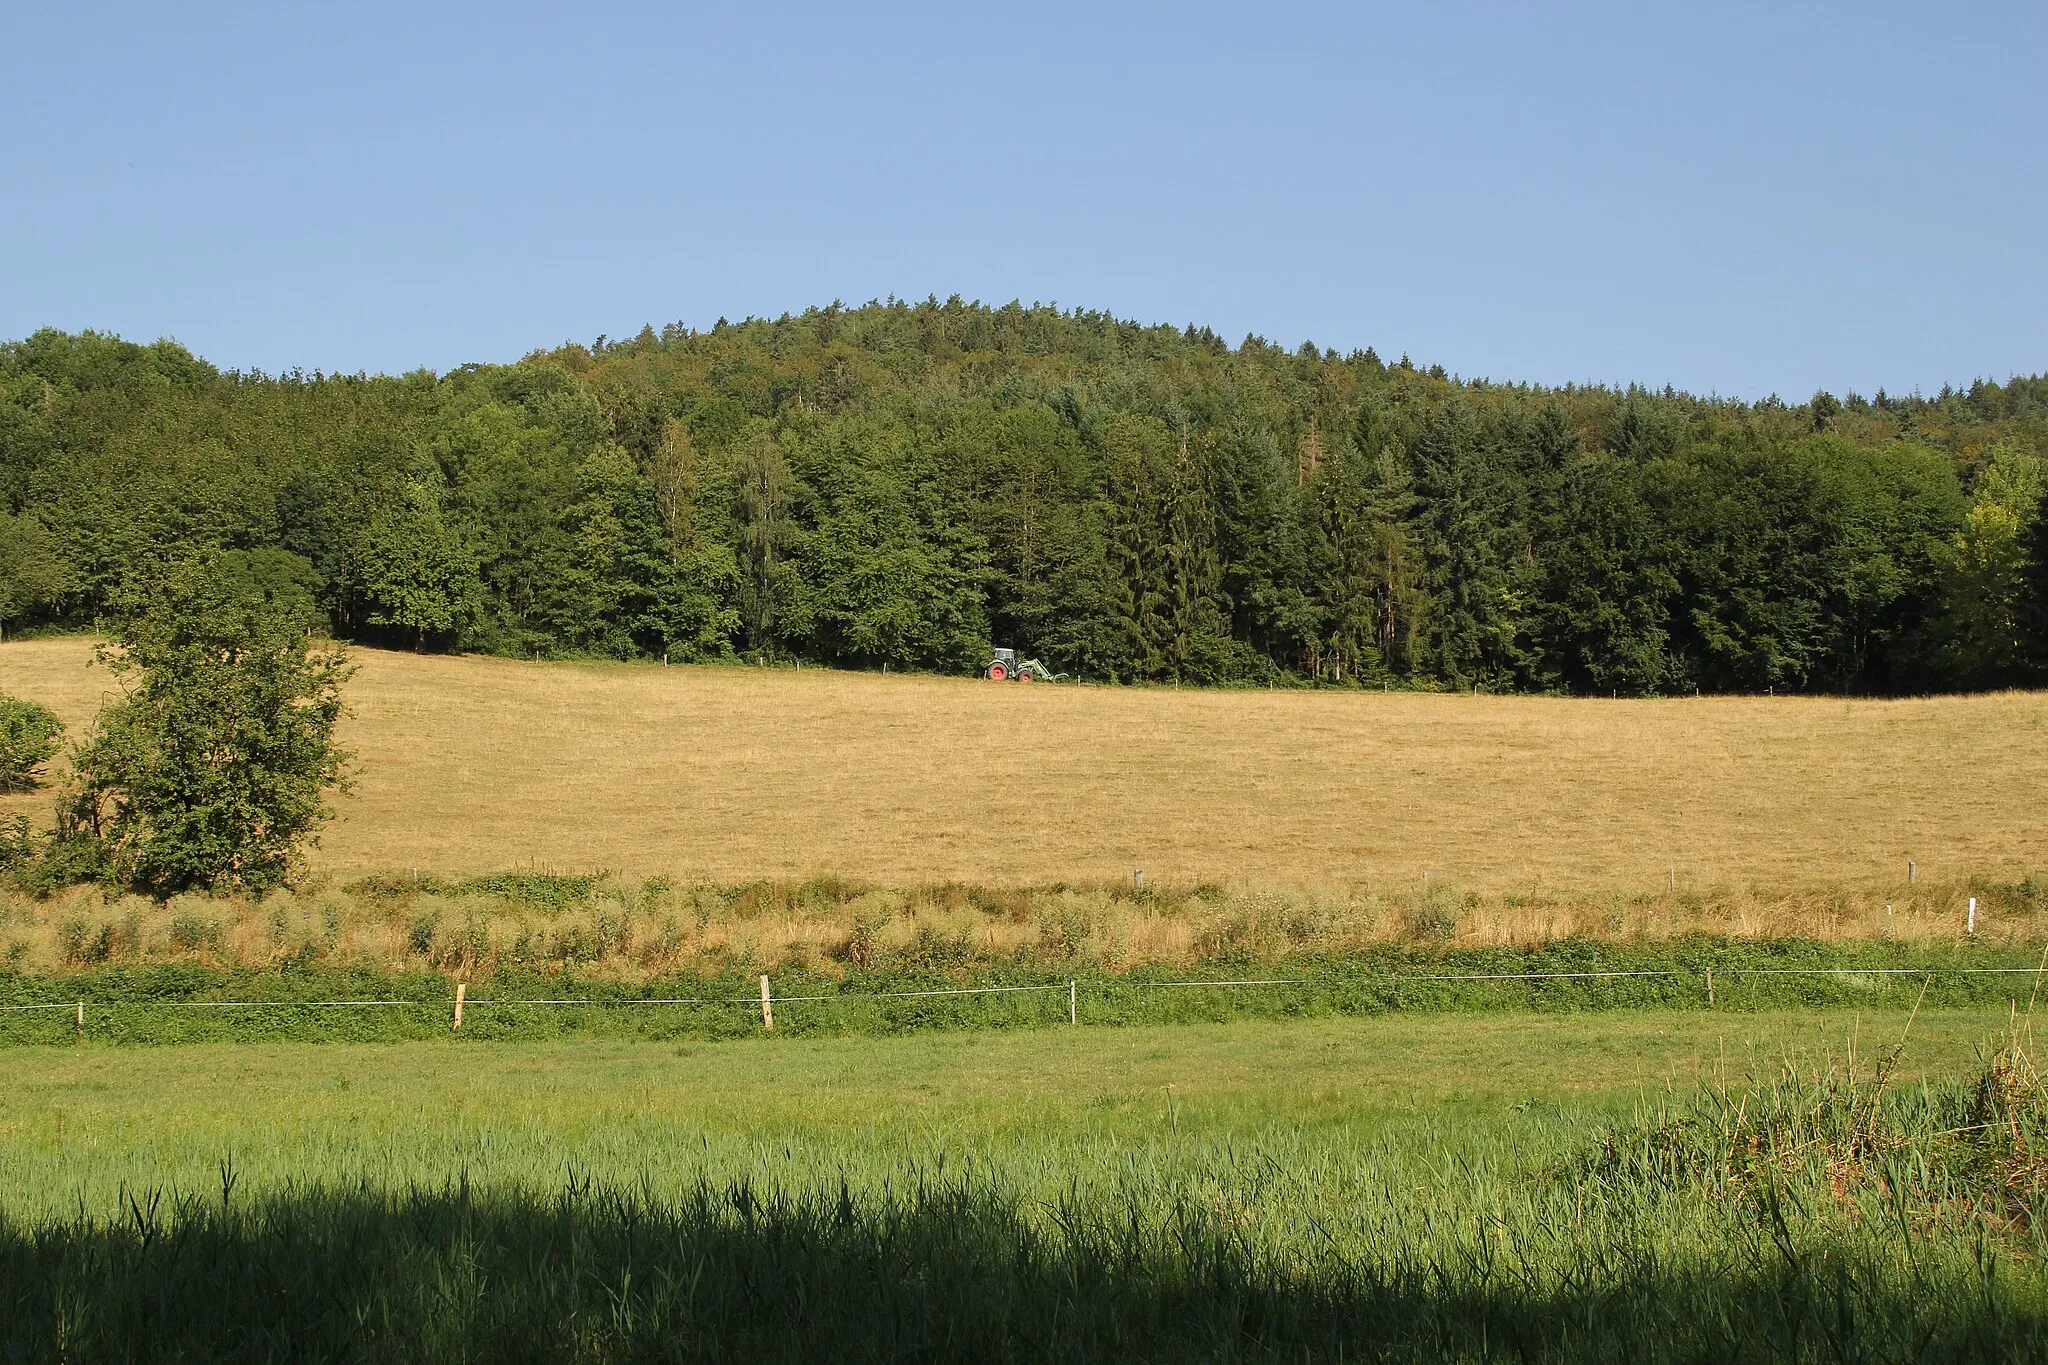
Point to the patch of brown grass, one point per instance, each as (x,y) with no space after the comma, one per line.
(726,774)
(632,931)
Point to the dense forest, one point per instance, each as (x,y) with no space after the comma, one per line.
(906,484)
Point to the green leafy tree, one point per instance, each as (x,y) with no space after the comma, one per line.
(766,534)
(277,578)
(417,577)
(212,771)
(29,732)
(612,571)
(1891,511)
(1018,478)
(1752,541)
(1608,588)
(2033,597)
(1980,627)
(33,578)
(1129,501)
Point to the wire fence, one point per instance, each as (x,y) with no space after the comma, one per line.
(766,1000)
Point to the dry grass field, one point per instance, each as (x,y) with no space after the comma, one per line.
(727,774)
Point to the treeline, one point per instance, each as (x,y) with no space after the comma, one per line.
(907,484)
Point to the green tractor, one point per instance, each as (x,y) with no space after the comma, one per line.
(1007,667)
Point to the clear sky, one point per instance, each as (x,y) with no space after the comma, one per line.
(1743,199)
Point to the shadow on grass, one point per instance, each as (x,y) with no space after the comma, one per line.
(935,1271)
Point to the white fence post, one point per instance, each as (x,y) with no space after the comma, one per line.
(767,1005)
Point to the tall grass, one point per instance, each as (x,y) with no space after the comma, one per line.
(623,930)
(1841,1146)
(1821,1217)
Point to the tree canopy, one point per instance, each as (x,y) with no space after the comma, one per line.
(906,484)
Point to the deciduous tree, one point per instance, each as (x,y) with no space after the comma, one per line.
(212,771)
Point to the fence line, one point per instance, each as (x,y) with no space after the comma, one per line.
(1160,985)
(1528,976)
(257,1004)
(1882,971)
(904,995)
(622,1000)
(1070,987)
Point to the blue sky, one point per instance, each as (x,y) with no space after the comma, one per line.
(1730,198)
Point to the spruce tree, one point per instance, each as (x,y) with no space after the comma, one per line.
(1470,530)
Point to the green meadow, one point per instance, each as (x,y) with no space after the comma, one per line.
(1631,1185)
(87,1123)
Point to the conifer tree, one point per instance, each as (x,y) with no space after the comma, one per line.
(1469,528)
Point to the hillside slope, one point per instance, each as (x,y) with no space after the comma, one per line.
(475,764)
(902,486)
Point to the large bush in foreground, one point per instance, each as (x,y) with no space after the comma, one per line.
(212,772)
(28,739)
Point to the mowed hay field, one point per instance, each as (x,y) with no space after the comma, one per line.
(725,774)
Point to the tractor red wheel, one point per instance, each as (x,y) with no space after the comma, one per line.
(1024,675)
(997,672)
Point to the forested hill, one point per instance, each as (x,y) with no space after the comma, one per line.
(907,484)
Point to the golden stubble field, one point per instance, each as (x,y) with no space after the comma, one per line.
(727,774)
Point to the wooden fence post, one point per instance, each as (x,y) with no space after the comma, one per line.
(461,989)
(1710,988)
(1073,1006)
(81,1021)
(767,1005)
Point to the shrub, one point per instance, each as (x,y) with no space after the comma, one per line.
(1435,916)
(42,863)
(28,740)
